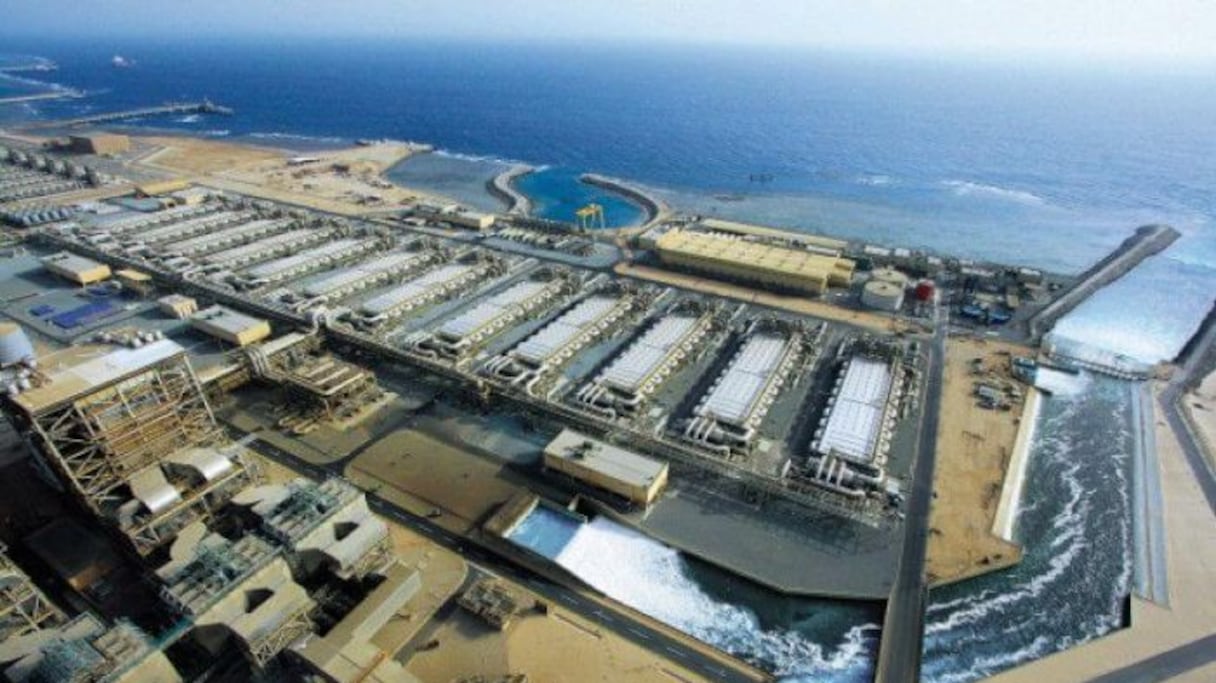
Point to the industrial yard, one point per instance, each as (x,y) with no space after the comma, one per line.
(254,365)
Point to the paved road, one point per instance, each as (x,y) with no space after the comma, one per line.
(483,561)
(1171,401)
(904,626)
(1166,665)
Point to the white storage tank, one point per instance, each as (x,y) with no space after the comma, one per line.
(15,346)
(882,295)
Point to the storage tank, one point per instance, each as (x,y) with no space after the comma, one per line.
(882,295)
(925,289)
(890,275)
(15,346)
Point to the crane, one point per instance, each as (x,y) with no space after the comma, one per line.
(591,216)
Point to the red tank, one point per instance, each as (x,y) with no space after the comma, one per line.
(924,290)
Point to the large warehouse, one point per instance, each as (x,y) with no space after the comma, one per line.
(734,258)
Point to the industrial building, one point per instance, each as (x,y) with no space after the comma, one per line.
(458,336)
(323,383)
(243,255)
(347,654)
(234,235)
(30,175)
(135,281)
(85,650)
(229,326)
(99,143)
(76,269)
(324,525)
(779,268)
(178,306)
(128,432)
(636,478)
(421,290)
(726,419)
(305,262)
(240,589)
(360,276)
(637,372)
(526,363)
(848,452)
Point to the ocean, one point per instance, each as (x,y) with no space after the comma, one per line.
(1044,165)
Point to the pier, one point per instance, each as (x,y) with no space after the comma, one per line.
(1147,241)
(502,186)
(204,107)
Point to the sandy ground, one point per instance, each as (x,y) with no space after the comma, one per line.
(795,304)
(265,172)
(1201,406)
(558,647)
(419,473)
(974,447)
(1191,615)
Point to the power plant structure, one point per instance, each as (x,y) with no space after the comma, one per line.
(128,432)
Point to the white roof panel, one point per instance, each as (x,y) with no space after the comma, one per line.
(557,334)
(287,263)
(632,367)
(347,276)
(489,310)
(855,421)
(735,396)
(413,288)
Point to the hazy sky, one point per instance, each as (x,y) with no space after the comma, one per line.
(1156,28)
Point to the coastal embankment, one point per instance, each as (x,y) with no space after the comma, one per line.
(653,207)
(502,187)
(1147,241)
(1015,475)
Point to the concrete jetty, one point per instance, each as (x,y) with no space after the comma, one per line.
(37,97)
(204,107)
(502,186)
(1147,241)
(652,206)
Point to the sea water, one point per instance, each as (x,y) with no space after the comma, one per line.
(799,639)
(1049,166)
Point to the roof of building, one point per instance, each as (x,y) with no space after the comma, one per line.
(855,421)
(611,461)
(67,262)
(79,371)
(230,325)
(630,369)
(786,261)
(557,334)
(733,398)
(413,288)
(490,309)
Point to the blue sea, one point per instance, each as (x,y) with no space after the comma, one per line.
(1039,164)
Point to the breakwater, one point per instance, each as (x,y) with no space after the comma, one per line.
(502,187)
(653,207)
(1147,241)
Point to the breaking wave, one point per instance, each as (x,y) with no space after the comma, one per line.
(652,578)
(966,188)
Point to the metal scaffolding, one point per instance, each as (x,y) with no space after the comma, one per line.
(23,607)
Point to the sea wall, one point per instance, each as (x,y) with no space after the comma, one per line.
(1147,241)
(1015,475)
(652,206)
(502,187)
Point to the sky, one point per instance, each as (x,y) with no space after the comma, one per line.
(1157,29)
